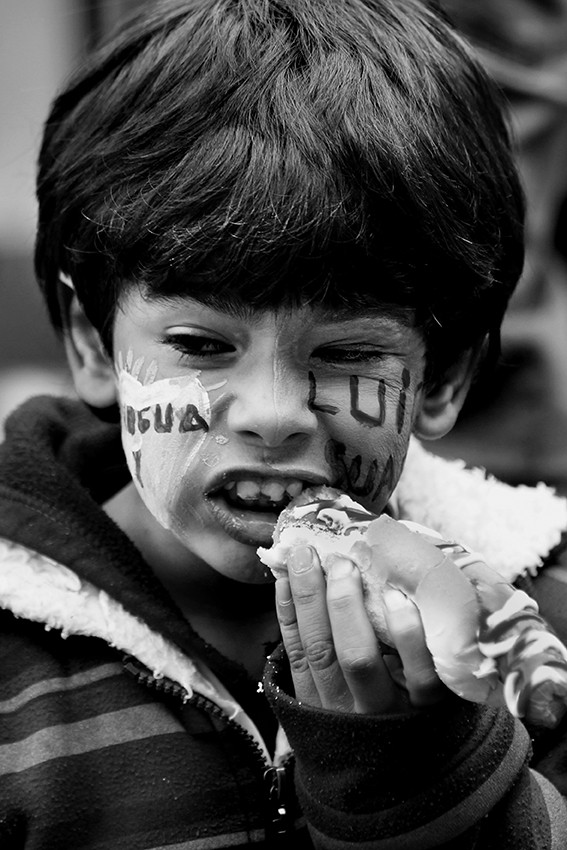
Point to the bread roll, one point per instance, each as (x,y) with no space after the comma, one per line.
(486,638)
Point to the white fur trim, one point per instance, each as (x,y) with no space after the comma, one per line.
(514,528)
(39,589)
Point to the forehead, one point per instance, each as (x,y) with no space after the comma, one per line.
(140,303)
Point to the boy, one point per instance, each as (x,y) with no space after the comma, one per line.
(277,237)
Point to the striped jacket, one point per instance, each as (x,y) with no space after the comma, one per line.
(121,728)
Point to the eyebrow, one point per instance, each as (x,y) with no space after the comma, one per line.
(329,315)
(375,314)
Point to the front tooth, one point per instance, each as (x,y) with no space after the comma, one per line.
(294,488)
(273,490)
(247,490)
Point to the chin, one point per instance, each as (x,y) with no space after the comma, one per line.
(227,557)
(244,570)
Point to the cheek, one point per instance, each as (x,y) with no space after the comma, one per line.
(367,469)
(369,421)
(164,426)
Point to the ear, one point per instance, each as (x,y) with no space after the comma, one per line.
(441,405)
(91,366)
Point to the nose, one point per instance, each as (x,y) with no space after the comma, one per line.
(270,405)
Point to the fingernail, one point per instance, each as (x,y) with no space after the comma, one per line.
(301,559)
(394,599)
(340,568)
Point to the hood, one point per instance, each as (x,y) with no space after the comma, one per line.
(514,528)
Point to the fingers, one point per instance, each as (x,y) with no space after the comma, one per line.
(357,648)
(415,666)
(304,686)
(306,633)
(333,653)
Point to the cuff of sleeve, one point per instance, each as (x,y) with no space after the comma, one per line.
(373,778)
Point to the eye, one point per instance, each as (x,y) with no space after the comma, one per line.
(348,354)
(198,346)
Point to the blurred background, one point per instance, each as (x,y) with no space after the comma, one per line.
(41,41)
(516,425)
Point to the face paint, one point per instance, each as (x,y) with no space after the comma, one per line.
(371,480)
(212,395)
(366,456)
(378,405)
(164,426)
(312,402)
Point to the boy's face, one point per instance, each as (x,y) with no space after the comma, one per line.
(226,415)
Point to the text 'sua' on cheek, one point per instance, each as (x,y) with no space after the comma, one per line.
(358,475)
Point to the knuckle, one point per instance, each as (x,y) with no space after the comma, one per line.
(344,703)
(297,661)
(340,602)
(304,595)
(320,654)
(358,664)
(407,625)
(287,617)
(423,681)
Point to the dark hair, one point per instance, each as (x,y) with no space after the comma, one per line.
(346,151)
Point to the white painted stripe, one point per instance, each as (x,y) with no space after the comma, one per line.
(57,684)
(83,736)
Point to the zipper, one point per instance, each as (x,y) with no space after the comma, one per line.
(275,777)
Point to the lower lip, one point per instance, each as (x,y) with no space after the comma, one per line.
(253,528)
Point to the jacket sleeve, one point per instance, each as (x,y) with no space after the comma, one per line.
(453,777)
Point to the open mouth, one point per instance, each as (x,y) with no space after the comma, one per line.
(248,508)
(261,495)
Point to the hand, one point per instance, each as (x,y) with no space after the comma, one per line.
(334,655)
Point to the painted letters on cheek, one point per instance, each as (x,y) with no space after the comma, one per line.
(363,481)
(371,410)
(383,413)
(376,400)
(401,411)
(379,389)
(313,404)
(162,422)
(164,425)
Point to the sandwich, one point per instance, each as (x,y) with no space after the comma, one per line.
(487,640)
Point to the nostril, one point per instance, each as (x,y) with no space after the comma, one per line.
(272,440)
(269,423)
